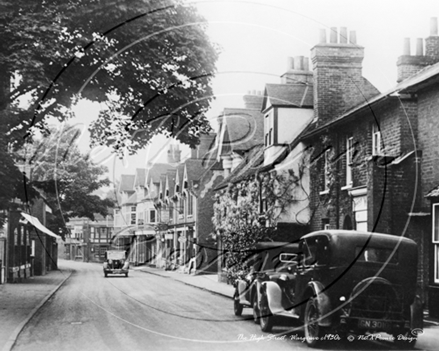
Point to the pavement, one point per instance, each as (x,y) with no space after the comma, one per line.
(20,301)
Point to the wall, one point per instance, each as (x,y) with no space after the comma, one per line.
(296,119)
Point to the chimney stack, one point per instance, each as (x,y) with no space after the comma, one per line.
(173,155)
(407,64)
(337,71)
(253,100)
(297,71)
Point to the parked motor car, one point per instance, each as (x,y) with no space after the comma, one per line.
(115,263)
(340,282)
(264,260)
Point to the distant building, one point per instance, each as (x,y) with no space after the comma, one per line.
(88,240)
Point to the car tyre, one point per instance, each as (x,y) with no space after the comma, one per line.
(255,309)
(238,308)
(126,275)
(105,275)
(313,332)
(266,317)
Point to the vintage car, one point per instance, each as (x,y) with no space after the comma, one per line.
(264,260)
(115,263)
(339,282)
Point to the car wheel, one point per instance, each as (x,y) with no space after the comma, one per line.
(126,275)
(266,317)
(238,308)
(405,340)
(313,332)
(105,275)
(255,309)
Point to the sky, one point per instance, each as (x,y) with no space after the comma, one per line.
(256,38)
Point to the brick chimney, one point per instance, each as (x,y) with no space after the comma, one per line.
(254,100)
(173,155)
(337,74)
(297,71)
(408,65)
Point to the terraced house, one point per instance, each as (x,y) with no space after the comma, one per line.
(362,159)
(375,156)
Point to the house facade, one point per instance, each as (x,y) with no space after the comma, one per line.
(88,240)
(185,211)
(375,156)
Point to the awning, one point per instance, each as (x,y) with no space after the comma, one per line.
(37,224)
(127,232)
(145,230)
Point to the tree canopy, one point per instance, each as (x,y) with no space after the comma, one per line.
(151,60)
(149,63)
(67,178)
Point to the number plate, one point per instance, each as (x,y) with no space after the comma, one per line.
(373,324)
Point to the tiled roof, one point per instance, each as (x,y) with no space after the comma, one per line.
(155,171)
(298,95)
(140,177)
(127,183)
(433,192)
(251,164)
(171,177)
(369,102)
(244,128)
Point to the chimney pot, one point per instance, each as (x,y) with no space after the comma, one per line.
(290,63)
(353,39)
(434,27)
(333,35)
(306,63)
(406,47)
(298,63)
(343,35)
(419,47)
(322,36)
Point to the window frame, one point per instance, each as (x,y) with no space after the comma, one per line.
(376,136)
(150,211)
(435,240)
(349,161)
(190,205)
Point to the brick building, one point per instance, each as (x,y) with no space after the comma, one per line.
(375,155)
(185,210)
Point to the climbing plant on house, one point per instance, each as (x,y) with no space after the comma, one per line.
(245,213)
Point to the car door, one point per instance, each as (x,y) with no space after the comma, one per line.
(311,266)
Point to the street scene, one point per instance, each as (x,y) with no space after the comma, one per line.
(226,175)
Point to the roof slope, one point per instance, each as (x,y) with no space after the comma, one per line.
(296,95)
(405,85)
(154,172)
(127,183)
(243,129)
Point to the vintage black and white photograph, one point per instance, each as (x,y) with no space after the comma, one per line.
(219,175)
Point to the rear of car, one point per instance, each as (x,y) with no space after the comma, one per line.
(116,263)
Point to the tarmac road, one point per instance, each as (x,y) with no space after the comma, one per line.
(151,312)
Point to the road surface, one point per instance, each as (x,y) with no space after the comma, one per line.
(149,312)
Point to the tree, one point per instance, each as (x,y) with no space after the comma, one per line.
(150,62)
(67,178)
(153,57)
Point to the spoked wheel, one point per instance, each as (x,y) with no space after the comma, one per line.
(313,332)
(238,308)
(255,309)
(266,317)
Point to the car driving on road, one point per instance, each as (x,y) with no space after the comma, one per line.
(115,263)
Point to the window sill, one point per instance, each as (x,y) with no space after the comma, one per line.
(347,187)
(324,192)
